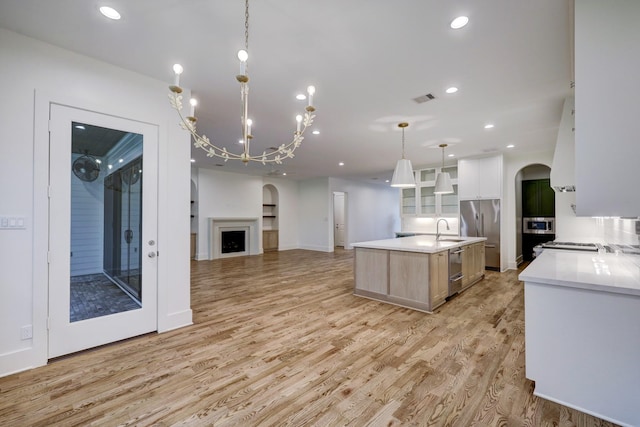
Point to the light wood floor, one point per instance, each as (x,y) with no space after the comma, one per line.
(279,339)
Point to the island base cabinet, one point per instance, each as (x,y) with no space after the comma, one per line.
(371,271)
(439,279)
(417,280)
(473,264)
(582,349)
(409,279)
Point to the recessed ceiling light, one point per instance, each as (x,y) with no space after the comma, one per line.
(488,126)
(110,166)
(386,180)
(459,22)
(98,161)
(316,132)
(193,160)
(284,174)
(452,89)
(451,155)
(301,97)
(120,160)
(240,141)
(341,164)
(80,127)
(110,12)
(510,146)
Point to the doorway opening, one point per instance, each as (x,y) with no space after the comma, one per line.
(339,219)
(535,201)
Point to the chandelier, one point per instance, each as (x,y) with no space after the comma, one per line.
(274,155)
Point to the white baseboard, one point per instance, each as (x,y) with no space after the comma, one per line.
(19,361)
(316,248)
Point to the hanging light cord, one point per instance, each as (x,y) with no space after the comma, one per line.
(402,143)
(246,25)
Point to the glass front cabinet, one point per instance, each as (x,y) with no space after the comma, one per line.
(422,201)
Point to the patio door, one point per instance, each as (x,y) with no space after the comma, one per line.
(103,229)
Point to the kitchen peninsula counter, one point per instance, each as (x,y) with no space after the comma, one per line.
(413,271)
(582,312)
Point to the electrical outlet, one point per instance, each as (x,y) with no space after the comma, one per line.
(26,332)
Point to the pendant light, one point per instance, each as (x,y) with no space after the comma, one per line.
(443,180)
(403,175)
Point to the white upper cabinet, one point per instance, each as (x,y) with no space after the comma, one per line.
(607,135)
(480,178)
(422,201)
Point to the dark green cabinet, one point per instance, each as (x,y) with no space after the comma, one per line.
(538,198)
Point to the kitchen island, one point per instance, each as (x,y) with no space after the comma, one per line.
(413,271)
(582,339)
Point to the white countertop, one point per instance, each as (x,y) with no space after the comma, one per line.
(586,270)
(422,243)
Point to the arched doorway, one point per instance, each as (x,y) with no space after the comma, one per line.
(534,199)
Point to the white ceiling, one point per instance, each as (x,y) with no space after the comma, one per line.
(367,58)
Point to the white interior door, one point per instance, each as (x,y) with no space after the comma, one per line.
(338,219)
(103,229)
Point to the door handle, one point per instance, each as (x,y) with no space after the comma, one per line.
(152,254)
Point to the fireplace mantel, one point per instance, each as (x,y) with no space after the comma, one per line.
(216,224)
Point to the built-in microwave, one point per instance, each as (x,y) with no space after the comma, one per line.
(540,225)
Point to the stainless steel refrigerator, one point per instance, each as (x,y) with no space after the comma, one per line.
(481,218)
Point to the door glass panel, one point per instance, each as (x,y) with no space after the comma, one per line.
(106,221)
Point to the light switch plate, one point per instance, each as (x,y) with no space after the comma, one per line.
(12,223)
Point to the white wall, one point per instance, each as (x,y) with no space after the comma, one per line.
(571,228)
(513,163)
(58,75)
(233,195)
(372,211)
(315,228)
(305,211)
(536,172)
(225,195)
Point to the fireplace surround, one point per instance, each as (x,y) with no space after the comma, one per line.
(219,225)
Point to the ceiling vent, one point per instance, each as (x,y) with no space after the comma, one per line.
(424,98)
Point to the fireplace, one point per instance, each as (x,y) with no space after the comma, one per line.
(233,241)
(231,237)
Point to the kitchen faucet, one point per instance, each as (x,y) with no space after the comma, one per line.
(438,229)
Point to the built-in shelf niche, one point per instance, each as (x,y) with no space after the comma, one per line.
(269,218)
